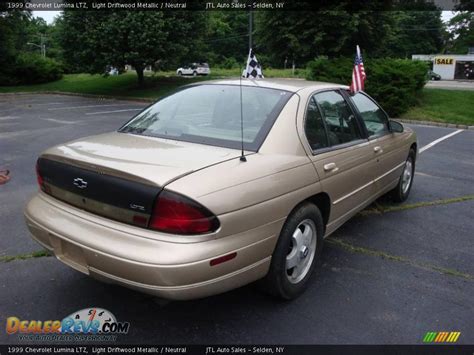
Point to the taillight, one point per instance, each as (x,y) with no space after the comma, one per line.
(176,214)
(39,177)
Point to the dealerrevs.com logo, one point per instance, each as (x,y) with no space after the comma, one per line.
(89,324)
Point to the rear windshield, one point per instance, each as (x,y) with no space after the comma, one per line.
(211,114)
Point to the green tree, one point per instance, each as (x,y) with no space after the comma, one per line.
(415,32)
(93,40)
(227,35)
(305,35)
(462,32)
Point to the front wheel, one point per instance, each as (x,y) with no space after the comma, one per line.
(195,73)
(402,190)
(296,253)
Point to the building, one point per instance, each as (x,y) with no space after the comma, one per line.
(450,66)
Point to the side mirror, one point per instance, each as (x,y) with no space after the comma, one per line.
(396,127)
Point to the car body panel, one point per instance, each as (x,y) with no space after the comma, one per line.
(251,199)
(149,160)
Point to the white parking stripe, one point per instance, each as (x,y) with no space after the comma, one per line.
(58,121)
(430,145)
(4,118)
(87,106)
(103,112)
(50,103)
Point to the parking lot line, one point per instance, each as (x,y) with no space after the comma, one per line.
(4,118)
(84,106)
(103,112)
(49,103)
(58,121)
(430,145)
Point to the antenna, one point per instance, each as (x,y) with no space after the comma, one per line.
(242,156)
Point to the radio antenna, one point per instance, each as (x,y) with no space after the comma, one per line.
(242,155)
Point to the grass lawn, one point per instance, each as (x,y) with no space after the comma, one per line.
(448,106)
(125,85)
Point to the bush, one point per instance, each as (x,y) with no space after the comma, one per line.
(32,69)
(229,63)
(394,83)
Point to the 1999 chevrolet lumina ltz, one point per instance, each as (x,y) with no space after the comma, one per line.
(168,204)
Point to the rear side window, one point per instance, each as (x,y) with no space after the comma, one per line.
(314,127)
(374,118)
(339,120)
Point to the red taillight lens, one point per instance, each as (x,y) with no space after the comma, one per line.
(177,214)
(39,178)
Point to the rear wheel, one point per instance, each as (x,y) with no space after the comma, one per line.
(402,190)
(195,73)
(296,253)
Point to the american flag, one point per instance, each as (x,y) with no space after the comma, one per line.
(358,74)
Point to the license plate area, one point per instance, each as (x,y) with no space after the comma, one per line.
(69,253)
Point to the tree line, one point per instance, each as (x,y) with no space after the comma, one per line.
(90,41)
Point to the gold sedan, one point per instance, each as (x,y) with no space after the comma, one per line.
(220,185)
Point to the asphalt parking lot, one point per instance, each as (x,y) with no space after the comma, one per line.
(388,276)
(451,84)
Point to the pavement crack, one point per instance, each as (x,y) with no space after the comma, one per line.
(381,208)
(33,255)
(384,255)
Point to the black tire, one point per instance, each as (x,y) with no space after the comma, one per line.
(180,73)
(277,281)
(400,192)
(195,73)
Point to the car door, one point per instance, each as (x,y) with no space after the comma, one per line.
(388,148)
(341,154)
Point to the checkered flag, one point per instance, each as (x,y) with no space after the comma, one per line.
(253,69)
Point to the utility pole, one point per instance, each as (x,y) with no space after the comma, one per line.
(43,46)
(250,28)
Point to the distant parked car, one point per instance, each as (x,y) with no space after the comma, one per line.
(110,70)
(194,69)
(433,76)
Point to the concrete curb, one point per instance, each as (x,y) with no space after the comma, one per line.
(99,97)
(435,124)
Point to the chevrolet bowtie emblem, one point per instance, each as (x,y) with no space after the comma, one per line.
(80,183)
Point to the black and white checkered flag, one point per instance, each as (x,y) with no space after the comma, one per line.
(253,69)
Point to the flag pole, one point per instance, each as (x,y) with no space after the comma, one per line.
(250,29)
(242,155)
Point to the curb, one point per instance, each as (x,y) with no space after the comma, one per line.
(436,124)
(100,97)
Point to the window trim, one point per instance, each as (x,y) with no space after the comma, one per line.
(363,131)
(387,118)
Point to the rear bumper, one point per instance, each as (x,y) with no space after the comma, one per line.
(108,251)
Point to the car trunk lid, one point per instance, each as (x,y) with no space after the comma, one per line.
(119,175)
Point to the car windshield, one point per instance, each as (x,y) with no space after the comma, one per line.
(211,114)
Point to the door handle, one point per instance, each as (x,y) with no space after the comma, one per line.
(330,167)
(378,149)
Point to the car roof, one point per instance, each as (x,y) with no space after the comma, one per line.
(292,85)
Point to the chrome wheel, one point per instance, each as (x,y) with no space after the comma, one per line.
(407,176)
(301,252)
